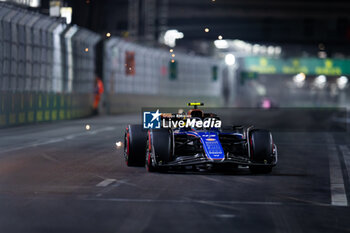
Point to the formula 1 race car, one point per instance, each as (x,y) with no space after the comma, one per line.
(199,147)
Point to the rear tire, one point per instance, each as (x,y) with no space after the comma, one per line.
(160,149)
(261,150)
(135,145)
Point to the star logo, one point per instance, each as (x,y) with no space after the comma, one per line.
(151,120)
(155,115)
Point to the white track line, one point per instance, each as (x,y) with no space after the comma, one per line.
(105,182)
(140,200)
(224,204)
(338,194)
(346,155)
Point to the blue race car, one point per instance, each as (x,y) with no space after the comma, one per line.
(199,147)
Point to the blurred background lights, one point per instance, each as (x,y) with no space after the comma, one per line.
(171,36)
(299,79)
(270,50)
(320,81)
(245,49)
(87,127)
(342,82)
(221,44)
(263,49)
(278,50)
(230,59)
(66,12)
(256,48)
(206,29)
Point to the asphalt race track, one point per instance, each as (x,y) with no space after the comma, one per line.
(62,178)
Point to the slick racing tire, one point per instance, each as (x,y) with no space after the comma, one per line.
(261,150)
(159,150)
(135,140)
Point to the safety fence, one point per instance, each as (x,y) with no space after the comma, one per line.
(152,74)
(46,68)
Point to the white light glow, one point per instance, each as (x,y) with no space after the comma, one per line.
(230,59)
(270,50)
(299,79)
(263,49)
(221,44)
(87,127)
(34,3)
(171,36)
(342,82)
(66,12)
(256,48)
(248,48)
(245,47)
(278,50)
(320,81)
(30,3)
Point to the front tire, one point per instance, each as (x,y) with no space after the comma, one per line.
(261,150)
